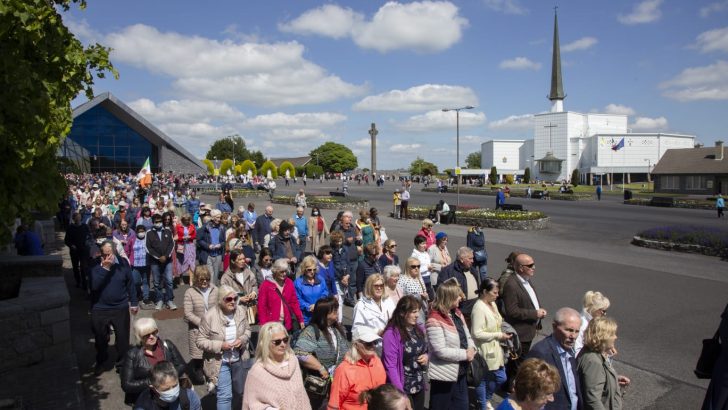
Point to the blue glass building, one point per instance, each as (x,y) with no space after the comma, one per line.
(108,136)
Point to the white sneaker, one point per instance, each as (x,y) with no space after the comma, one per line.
(171,305)
(159,305)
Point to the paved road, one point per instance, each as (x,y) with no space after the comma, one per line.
(664,302)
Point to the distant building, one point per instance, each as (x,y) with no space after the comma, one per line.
(597,145)
(693,171)
(108,136)
(297,162)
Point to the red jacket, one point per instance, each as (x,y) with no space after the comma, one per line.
(269,303)
(181,232)
(429,236)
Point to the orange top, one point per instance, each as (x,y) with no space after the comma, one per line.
(352,379)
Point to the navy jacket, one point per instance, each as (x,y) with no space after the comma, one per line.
(366,268)
(547,351)
(262,228)
(456,270)
(204,240)
(278,248)
(341,263)
(114,288)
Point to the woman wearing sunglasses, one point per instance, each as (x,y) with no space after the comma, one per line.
(150,350)
(199,298)
(275,381)
(310,287)
(224,335)
(360,371)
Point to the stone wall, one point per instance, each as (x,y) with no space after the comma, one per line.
(35,325)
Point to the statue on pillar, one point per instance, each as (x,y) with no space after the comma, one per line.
(373,133)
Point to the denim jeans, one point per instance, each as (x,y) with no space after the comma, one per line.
(449,395)
(163,283)
(494,379)
(141,278)
(225,387)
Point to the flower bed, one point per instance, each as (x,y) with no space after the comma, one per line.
(243,193)
(685,238)
(519,193)
(325,202)
(513,220)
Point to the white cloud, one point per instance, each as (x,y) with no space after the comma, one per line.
(293,135)
(329,20)
(274,74)
(699,83)
(649,124)
(646,11)
(513,122)
(519,63)
(711,8)
(426,26)
(713,40)
(439,120)
(363,142)
(185,111)
(309,119)
(405,148)
(469,139)
(420,98)
(506,6)
(580,44)
(618,109)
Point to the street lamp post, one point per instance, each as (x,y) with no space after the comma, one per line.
(457,142)
(649,163)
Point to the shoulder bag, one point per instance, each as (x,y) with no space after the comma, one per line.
(708,357)
(477,369)
(295,326)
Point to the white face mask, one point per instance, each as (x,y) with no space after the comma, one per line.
(170,395)
(141,235)
(315,213)
(158,225)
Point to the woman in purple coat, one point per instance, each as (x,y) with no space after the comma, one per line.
(404,351)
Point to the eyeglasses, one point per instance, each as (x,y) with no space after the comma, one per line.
(604,311)
(327,252)
(414,266)
(379,286)
(203,280)
(311,270)
(368,345)
(277,342)
(393,246)
(267,259)
(148,335)
(530,266)
(229,299)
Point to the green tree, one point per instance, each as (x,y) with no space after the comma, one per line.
(575,177)
(248,165)
(509,179)
(333,157)
(233,146)
(225,166)
(269,166)
(43,66)
(527,175)
(210,166)
(473,160)
(285,165)
(421,167)
(313,169)
(493,176)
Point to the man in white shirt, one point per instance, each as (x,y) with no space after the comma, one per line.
(405,203)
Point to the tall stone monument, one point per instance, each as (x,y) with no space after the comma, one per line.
(373,133)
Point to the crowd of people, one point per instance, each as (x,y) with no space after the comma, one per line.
(419,328)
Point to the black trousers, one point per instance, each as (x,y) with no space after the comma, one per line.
(417,400)
(76,256)
(100,321)
(513,365)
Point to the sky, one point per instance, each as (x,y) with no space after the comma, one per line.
(289,76)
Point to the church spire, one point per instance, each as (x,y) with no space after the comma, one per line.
(557,87)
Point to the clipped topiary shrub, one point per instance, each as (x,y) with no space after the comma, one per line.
(269,166)
(287,166)
(248,165)
(210,166)
(227,165)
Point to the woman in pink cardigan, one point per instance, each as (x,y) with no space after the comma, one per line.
(273,292)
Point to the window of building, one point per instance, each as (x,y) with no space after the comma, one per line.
(669,182)
(695,182)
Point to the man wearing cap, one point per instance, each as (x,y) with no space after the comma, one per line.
(123,214)
(360,370)
(211,245)
(160,244)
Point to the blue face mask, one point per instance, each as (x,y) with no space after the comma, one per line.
(170,395)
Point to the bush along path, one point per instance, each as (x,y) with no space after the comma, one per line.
(685,238)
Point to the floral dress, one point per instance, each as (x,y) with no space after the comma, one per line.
(414,373)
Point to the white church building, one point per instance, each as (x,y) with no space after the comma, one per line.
(597,145)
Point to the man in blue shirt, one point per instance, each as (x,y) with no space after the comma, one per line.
(193,204)
(500,199)
(558,351)
(302,227)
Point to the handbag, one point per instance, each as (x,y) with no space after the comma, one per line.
(239,371)
(477,369)
(317,385)
(708,357)
(295,326)
(481,257)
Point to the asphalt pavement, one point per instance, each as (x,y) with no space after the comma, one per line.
(665,303)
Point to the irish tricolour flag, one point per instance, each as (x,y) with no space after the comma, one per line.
(145,175)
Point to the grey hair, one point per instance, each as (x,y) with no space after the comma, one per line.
(161,372)
(222,292)
(348,213)
(300,208)
(144,326)
(564,313)
(464,251)
(280,264)
(390,270)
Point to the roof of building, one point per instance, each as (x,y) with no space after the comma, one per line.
(692,161)
(136,122)
(557,85)
(296,161)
